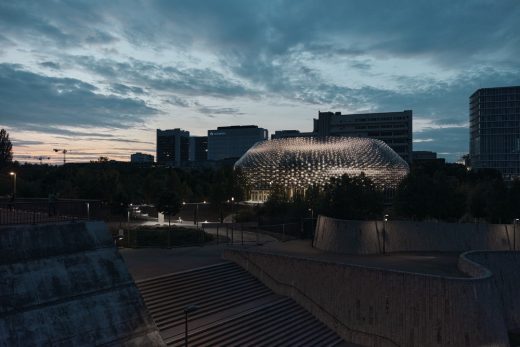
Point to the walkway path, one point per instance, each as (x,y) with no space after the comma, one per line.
(150,262)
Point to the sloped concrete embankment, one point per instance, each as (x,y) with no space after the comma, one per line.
(66,285)
(372,237)
(376,307)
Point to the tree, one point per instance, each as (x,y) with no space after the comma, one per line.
(168,203)
(6,148)
(352,197)
(422,195)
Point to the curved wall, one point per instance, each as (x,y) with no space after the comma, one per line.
(505,267)
(372,237)
(377,307)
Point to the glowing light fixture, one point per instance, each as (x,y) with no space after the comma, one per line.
(297,163)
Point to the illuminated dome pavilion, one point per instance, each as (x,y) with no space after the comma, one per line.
(299,162)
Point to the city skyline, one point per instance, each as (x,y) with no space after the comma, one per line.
(98,79)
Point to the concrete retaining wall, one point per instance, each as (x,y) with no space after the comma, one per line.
(377,307)
(66,284)
(505,267)
(372,237)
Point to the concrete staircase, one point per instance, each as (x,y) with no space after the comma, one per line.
(235,309)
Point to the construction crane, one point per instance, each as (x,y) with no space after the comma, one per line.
(64,151)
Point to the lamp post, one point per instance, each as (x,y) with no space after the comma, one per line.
(515,222)
(232,209)
(384,232)
(196,211)
(14,183)
(187,310)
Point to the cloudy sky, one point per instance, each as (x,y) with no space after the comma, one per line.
(98,77)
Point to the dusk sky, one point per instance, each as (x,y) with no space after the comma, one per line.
(98,77)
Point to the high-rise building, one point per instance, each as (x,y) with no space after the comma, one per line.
(233,141)
(394,128)
(141,158)
(285,134)
(172,147)
(494,119)
(426,157)
(198,148)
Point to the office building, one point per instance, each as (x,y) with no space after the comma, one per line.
(494,117)
(393,128)
(419,157)
(198,148)
(233,141)
(284,134)
(141,158)
(172,147)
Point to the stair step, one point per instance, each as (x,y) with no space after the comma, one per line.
(261,319)
(146,285)
(173,323)
(269,325)
(226,286)
(270,336)
(248,317)
(304,334)
(200,293)
(204,301)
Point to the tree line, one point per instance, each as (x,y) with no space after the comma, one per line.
(431,191)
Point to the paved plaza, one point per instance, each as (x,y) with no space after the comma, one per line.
(151,262)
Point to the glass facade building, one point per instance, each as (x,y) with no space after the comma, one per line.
(198,148)
(495,130)
(299,162)
(172,147)
(233,141)
(393,128)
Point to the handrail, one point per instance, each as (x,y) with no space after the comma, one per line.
(337,320)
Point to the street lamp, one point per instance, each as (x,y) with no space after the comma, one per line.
(196,211)
(188,309)
(515,222)
(14,183)
(385,219)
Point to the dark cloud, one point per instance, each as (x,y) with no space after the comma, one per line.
(178,101)
(450,33)
(117,140)
(211,110)
(24,143)
(264,50)
(50,65)
(361,64)
(124,89)
(188,81)
(60,23)
(27,98)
